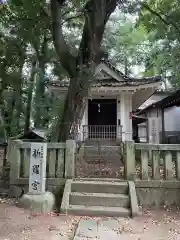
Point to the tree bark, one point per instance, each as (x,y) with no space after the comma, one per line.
(80,68)
(40,86)
(74,105)
(2,106)
(29,99)
(18,100)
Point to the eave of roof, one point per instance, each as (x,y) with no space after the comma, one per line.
(102,83)
(138,120)
(170,101)
(111,82)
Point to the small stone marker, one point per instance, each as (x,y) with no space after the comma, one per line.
(37,173)
(37,199)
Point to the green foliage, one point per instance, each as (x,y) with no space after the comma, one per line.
(140,36)
(162,21)
(25,38)
(126,42)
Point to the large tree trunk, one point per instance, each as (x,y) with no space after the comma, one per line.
(2,105)
(39,98)
(19,98)
(74,105)
(29,99)
(2,115)
(81,68)
(40,119)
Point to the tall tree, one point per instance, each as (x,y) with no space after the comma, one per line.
(80,68)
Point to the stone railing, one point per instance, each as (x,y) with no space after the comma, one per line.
(155,161)
(57,168)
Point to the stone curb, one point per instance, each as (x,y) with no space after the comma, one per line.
(133,199)
(66,194)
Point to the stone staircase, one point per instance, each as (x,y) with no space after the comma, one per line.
(105,142)
(102,152)
(102,158)
(103,148)
(100,197)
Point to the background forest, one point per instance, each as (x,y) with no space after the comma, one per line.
(42,41)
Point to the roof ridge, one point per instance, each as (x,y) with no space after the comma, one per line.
(109,64)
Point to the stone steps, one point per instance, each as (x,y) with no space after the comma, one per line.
(99,186)
(96,197)
(103,199)
(103,152)
(99,211)
(101,142)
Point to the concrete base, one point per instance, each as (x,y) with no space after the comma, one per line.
(39,203)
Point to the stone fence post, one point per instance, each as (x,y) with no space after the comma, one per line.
(130,165)
(14,158)
(70,159)
(38,199)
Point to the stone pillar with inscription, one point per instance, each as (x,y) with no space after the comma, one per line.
(37,199)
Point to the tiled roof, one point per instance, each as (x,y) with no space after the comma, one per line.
(111,82)
(169,101)
(128,78)
(106,83)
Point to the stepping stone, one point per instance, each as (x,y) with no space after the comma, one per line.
(86,229)
(102,230)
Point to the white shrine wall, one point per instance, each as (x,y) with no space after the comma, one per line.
(124,113)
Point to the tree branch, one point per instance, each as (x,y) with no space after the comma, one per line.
(73,17)
(96,16)
(172,23)
(68,61)
(165,21)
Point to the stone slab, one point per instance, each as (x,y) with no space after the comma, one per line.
(93,229)
(86,229)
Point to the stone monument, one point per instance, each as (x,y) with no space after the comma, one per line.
(37,199)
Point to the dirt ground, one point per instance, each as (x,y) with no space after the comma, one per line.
(152,225)
(20,224)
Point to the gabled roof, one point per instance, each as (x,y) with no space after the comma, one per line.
(157,96)
(128,78)
(170,101)
(110,81)
(34,134)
